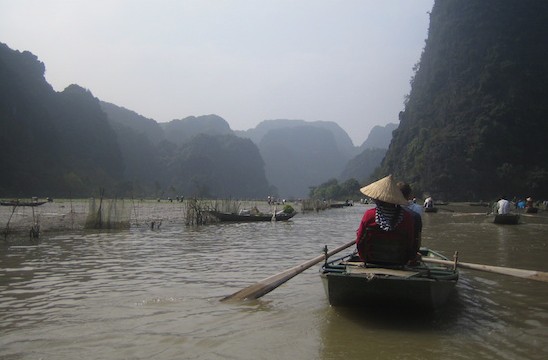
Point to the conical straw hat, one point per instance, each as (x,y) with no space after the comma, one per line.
(385,190)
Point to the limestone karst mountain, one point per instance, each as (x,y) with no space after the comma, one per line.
(474,123)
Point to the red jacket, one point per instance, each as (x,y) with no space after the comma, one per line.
(392,247)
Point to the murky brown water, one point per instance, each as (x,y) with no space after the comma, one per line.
(143,294)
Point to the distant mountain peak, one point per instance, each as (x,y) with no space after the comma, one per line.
(379,137)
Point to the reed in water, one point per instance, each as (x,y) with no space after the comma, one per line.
(108,214)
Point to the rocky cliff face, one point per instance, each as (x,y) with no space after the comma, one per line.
(475,121)
(70,143)
(51,143)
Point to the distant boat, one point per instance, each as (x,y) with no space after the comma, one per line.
(231,217)
(531,210)
(430,209)
(484,204)
(507,219)
(22,203)
(340,205)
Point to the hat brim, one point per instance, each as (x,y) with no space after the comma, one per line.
(385,190)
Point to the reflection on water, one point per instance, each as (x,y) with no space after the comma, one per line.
(155,294)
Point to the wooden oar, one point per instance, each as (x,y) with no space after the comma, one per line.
(265,286)
(526,274)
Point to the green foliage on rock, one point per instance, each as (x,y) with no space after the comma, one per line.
(288,209)
(69,143)
(54,143)
(363,165)
(474,123)
(332,190)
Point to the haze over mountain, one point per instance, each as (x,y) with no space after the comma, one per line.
(70,143)
(379,137)
(347,62)
(181,131)
(471,128)
(299,157)
(373,150)
(343,141)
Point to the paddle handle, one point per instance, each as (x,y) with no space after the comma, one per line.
(526,274)
(265,286)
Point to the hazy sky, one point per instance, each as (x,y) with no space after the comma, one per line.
(347,61)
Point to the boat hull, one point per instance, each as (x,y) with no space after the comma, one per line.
(22,203)
(479,204)
(423,286)
(227,217)
(506,219)
(430,209)
(340,205)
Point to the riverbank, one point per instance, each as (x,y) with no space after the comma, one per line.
(72,214)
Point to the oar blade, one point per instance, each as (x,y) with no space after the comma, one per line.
(256,290)
(265,286)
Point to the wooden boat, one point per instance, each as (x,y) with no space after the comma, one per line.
(484,204)
(340,205)
(531,210)
(508,219)
(230,217)
(22,203)
(347,282)
(430,209)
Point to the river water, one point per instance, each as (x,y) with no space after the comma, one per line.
(154,294)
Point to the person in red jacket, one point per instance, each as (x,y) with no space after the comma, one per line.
(386,234)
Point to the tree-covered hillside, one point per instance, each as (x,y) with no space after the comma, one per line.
(475,120)
(130,119)
(362,166)
(373,150)
(70,143)
(344,144)
(379,137)
(220,166)
(51,143)
(181,131)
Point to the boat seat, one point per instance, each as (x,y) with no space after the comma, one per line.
(387,248)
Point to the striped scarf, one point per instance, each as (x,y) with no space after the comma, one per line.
(388,216)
